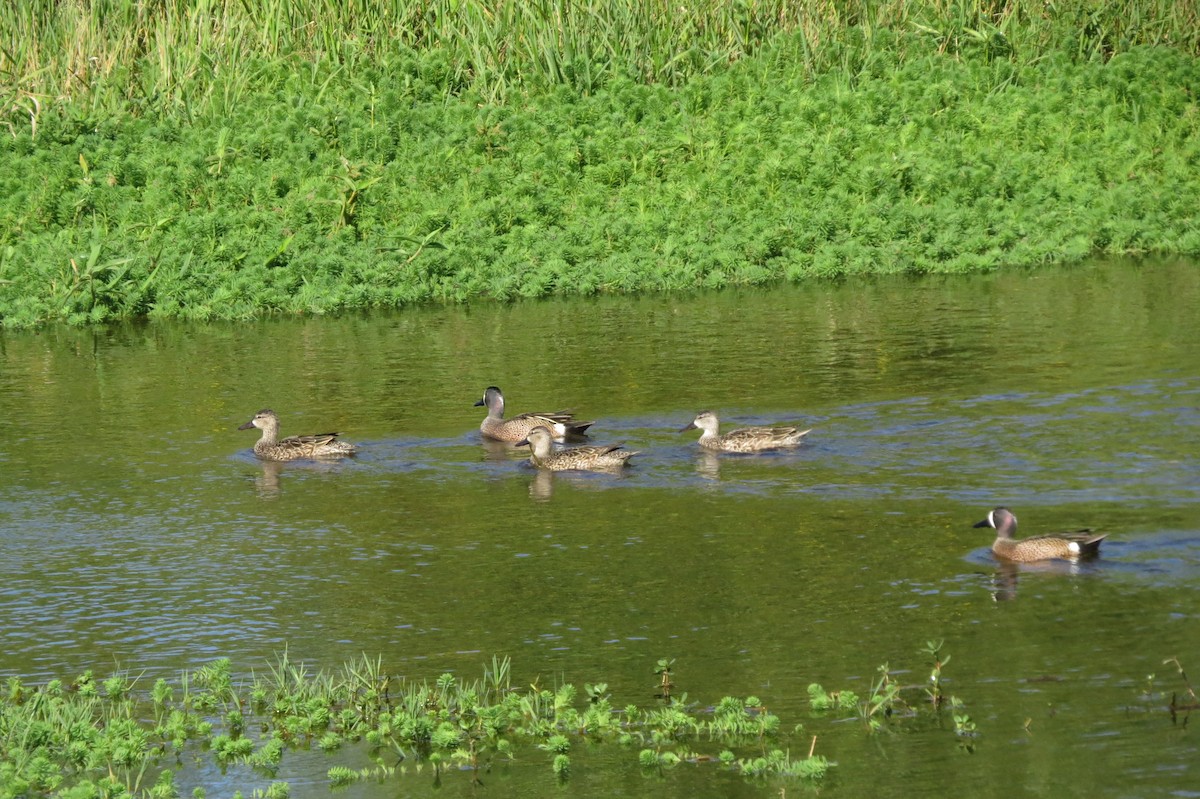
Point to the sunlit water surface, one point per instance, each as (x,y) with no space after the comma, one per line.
(137,530)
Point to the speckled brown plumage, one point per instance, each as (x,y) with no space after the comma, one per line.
(1064,546)
(745,439)
(561,424)
(610,457)
(271,448)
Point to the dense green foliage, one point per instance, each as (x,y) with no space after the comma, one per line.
(96,738)
(224,169)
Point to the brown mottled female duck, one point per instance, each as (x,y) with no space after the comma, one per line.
(270,448)
(495,426)
(599,459)
(1064,546)
(746,439)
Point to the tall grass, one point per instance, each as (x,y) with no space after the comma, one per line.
(199,57)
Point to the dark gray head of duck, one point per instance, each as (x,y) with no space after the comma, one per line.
(1002,520)
(492,399)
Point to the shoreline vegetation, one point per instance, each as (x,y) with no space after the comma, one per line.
(112,736)
(116,736)
(227,160)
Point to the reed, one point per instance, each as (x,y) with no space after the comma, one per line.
(205,56)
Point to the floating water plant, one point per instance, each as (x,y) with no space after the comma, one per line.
(886,703)
(820,699)
(105,736)
(964,727)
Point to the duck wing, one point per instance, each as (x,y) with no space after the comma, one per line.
(764,433)
(560,423)
(307,444)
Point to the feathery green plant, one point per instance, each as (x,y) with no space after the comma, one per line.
(229,159)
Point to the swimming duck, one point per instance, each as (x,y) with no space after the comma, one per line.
(746,439)
(603,458)
(270,448)
(494,425)
(1067,546)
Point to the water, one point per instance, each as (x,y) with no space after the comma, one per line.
(138,530)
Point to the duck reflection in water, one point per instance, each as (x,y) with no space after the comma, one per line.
(1007,575)
(541,488)
(267,484)
(544,481)
(708,465)
(501,450)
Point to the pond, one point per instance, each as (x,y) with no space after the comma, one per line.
(138,530)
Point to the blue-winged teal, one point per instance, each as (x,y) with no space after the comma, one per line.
(599,459)
(494,425)
(269,447)
(1067,546)
(746,439)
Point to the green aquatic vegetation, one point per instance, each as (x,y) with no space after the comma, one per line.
(671,723)
(178,726)
(80,740)
(325,171)
(53,736)
(653,758)
(231,748)
(1190,701)
(779,762)
(663,670)
(15,690)
(820,699)
(742,718)
(887,704)
(268,756)
(277,790)
(935,690)
(884,700)
(964,726)
(341,776)
(210,687)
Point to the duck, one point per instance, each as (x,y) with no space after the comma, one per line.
(745,439)
(561,424)
(271,448)
(1053,546)
(609,457)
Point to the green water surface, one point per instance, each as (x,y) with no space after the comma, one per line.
(138,531)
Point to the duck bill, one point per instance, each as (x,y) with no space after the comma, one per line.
(984,523)
(247,425)
(686,427)
(524,442)
(479,403)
